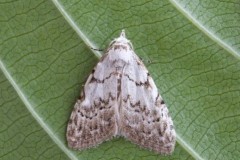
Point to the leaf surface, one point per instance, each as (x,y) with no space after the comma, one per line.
(46,57)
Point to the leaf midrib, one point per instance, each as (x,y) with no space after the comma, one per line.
(35,115)
(68,18)
(203,29)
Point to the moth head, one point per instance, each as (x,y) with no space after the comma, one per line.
(121,40)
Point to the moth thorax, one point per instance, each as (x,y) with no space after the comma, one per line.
(119,64)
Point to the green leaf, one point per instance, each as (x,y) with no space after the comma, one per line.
(45,59)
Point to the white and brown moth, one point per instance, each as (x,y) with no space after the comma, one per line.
(121,99)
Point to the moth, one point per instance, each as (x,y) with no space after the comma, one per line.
(120,98)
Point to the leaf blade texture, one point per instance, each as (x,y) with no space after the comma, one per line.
(45,58)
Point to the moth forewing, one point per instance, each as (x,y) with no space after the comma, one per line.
(121,98)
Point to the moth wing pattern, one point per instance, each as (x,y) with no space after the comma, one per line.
(144,116)
(93,119)
(121,98)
